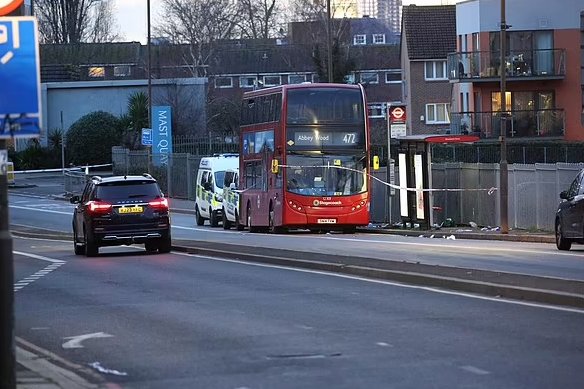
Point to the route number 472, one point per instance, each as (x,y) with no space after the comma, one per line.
(349,138)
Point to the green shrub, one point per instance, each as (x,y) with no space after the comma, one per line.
(90,139)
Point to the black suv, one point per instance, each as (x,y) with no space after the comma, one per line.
(121,210)
(570,215)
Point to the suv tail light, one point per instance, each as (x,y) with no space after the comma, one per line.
(159,204)
(98,207)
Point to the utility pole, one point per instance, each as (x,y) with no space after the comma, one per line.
(328,41)
(503,168)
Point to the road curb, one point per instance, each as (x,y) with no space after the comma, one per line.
(512,286)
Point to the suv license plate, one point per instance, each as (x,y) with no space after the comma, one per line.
(326,221)
(135,209)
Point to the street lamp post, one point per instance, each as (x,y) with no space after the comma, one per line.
(503,169)
(328,41)
(149,65)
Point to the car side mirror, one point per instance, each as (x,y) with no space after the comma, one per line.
(564,195)
(232,186)
(75,199)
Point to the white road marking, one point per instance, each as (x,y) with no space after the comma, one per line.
(383,344)
(41,210)
(75,341)
(475,370)
(55,264)
(390,283)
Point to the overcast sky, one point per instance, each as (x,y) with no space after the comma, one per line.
(132,20)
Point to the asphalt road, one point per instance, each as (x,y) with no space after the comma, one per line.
(176,320)
(512,257)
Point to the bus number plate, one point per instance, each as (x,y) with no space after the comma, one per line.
(326,221)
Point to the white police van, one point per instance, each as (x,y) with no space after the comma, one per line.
(230,209)
(209,187)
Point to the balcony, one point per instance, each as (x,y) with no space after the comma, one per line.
(546,123)
(483,66)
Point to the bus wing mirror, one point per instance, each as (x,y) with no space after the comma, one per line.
(375,162)
(275,166)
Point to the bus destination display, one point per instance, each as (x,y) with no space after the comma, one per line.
(325,138)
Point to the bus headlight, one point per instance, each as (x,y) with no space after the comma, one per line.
(358,205)
(294,205)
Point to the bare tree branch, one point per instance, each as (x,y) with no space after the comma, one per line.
(260,18)
(74,21)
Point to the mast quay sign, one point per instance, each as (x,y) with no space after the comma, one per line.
(161,134)
(19,78)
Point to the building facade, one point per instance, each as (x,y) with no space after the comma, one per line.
(543,64)
(428,35)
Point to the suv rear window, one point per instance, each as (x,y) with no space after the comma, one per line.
(127,190)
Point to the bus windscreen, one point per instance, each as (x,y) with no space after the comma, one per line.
(324,105)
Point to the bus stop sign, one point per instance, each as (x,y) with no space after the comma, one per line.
(20,78)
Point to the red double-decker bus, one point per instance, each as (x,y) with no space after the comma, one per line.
(304,158)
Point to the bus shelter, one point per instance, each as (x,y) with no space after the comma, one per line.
(415,175)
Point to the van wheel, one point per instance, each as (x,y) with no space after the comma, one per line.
(226,223)
(198,218)
(238,225)
(562,243)
(213,219)
(251,228)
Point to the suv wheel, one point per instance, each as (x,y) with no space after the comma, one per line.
(151,246)
(79,248)
(198,218)
(165,244)
(213,219)
(562,243)
(91,248)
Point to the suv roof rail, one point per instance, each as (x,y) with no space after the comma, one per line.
(147,175)
(96,178)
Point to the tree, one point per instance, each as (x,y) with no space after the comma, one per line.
(135,119)
(75,21)
(91,138)
(198,25)
(223,117)
(259,18)
(314,15)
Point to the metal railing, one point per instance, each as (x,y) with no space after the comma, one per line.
(477,65)
(542,123)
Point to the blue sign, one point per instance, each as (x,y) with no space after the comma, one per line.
(20,114)
(161,135)
(146,137)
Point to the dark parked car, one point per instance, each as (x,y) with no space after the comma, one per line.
(121,210)
(570,215)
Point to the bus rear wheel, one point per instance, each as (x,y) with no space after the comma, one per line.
(272,228)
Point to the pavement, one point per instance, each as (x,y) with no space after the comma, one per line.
(37,370)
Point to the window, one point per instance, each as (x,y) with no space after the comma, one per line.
(435,70)
(315,78)
(272,80)
(296,78)
(393,77)
(247,81)
(96,72)
(378,39)
(438,113)
(359,40)
(369,78)
(122,71)
(223,82)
